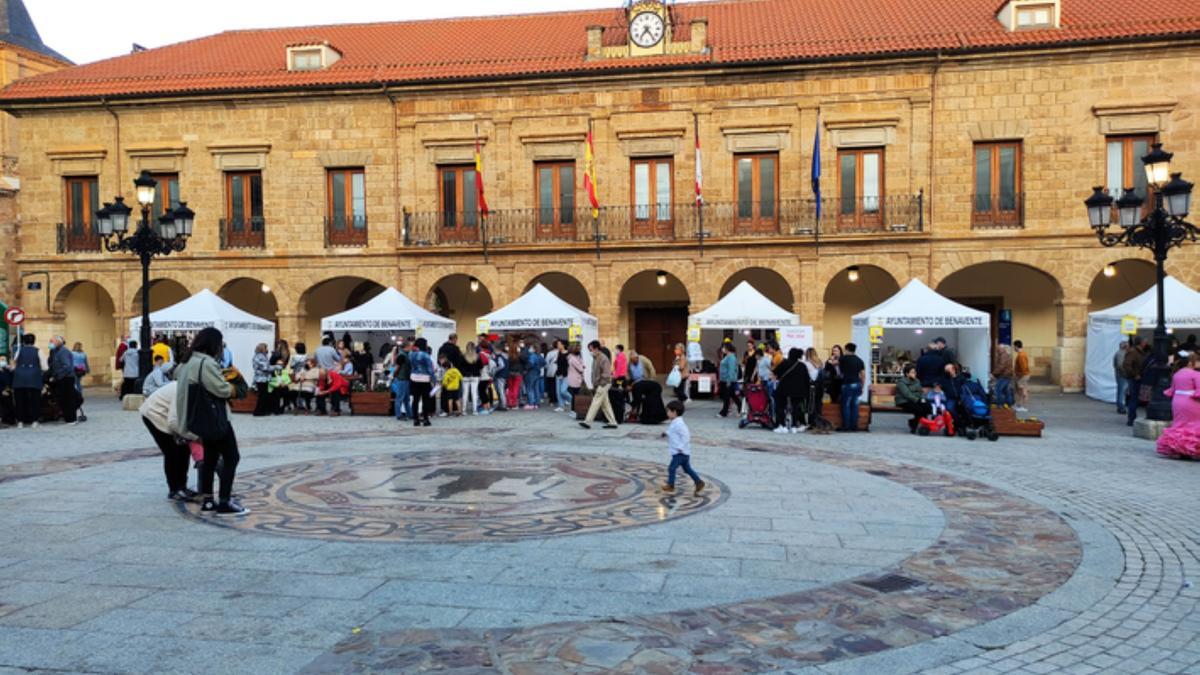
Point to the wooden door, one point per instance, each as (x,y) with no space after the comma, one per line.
(656,331)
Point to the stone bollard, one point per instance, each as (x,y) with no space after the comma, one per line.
(132,402)
(1149,429)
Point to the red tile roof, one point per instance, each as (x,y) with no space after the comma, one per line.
(739,31)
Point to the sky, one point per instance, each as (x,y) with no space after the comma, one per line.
(91,30)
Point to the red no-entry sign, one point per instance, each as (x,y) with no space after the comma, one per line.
(15,316)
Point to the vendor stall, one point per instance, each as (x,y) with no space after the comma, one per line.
(917,314)
(242,330)
(388,317)
(541,312)
(742,309)
(1105,331)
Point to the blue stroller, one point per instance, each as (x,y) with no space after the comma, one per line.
(974,413)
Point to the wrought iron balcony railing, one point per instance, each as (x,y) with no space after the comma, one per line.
(243,233)
(345,230)
(76,238)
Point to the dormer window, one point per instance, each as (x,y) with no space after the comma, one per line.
(312,56)
(1030,14)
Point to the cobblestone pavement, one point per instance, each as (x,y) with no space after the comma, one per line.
(99,574)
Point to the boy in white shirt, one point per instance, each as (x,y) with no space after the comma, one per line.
(679,442)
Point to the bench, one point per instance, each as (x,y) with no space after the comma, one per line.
(883,398)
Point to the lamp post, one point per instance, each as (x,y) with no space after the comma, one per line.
(163,236)
(1161,230)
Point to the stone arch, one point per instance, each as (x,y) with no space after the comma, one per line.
(773,285)
(452,297)
(431,275)
(564,285)
(828,268)
(330,296)
(164,292)
(653,316)
(844,298)
(89,316)
(1041,318)
(1132,277)
(252,295)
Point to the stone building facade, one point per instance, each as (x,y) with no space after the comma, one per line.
(928,120)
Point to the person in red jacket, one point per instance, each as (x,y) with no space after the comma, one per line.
(333,386)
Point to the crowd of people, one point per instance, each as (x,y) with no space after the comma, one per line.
(1135,366)
(37,385)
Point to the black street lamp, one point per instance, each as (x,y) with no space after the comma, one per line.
(168,234)
(1160,231)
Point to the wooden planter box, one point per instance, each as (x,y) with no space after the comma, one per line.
(244,405)
(376,403)
(832,413)
(1007,424)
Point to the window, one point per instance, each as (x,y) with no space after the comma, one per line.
(347,206)
(306,59)
(244,223)
(167,185)
(860,189)
(82,203)
(653,185)
(555,188)
(757,188)
(997,201)
(1125,168)
(458,197)
(1035,16)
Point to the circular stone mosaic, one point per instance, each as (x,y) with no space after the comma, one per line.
(460,496)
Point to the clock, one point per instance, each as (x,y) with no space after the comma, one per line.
(647,29)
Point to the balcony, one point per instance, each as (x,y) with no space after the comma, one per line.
(715,222)
(345,231)
(77,238)
(243,233)
(998,212)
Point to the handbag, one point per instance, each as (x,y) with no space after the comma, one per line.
(675,378)
(207,416)
(1144,393)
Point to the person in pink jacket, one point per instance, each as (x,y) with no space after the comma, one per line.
(620,368)
(1182,438)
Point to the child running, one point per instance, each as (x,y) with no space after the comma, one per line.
(679,442)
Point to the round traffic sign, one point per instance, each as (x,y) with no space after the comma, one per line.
(15,316)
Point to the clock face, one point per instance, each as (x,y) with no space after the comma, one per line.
(647,29)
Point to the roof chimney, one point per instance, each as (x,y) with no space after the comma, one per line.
(595,42)
(699,36)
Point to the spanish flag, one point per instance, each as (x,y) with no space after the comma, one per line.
(589,174)
(483,206)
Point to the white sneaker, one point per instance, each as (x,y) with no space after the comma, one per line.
(800,429)
(781,430)
(35,425)
(558,410)
(1021,408)
(20,425)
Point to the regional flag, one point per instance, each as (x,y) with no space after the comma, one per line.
(816,166)
(589,175)
(483,206)
(699,169)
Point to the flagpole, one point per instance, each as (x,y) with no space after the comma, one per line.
(699,187)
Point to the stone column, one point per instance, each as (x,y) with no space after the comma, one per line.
(810,302)
(290,328)
(1070,353)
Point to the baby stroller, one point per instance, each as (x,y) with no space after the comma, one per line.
(974,414)
(758,407)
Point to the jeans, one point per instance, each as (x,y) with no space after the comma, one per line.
(564,397)
(850,394)
(1002,391)
(225,450)
(501,385)
(537,390)
(728,393)
(1122,392)
(175,458)
(470,395)
(1131,399)
(403,406)
(681,461)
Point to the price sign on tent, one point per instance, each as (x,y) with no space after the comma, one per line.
(15,316)
(482,326)
(693,333)
(575,332)
(876,334)
(1129,325)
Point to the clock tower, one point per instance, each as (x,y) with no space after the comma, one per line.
(649,28)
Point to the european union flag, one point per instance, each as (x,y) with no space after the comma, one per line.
(816,166)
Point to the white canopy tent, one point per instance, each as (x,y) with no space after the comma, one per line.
(242,330)
(387,316)
(1104,330)
(917,314)
(743,308)
(540,310)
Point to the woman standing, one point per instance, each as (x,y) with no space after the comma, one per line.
(262,378)
(472,370)
(575,368)
(791,394)
(681,390)
(1182,438)
(833,374)
(201,376)
(82,369)
(562,357)
(816,392)
(421,378)
(28,380)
